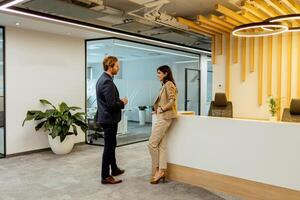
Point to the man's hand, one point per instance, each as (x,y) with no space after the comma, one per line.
(125,101)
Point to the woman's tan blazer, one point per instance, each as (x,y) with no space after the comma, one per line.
(167,100)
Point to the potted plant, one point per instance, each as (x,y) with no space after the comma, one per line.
(60,124)
(273,104)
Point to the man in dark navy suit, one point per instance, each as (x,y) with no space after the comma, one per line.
(108,115)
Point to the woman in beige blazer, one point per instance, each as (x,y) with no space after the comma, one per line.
(165,109)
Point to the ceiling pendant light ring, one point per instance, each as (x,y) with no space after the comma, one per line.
(285,19)
(259,29)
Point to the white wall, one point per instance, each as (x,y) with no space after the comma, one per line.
(40,65)
(219,72)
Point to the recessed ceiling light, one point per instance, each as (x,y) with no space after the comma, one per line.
(18,24)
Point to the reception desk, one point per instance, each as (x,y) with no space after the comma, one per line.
(249,158)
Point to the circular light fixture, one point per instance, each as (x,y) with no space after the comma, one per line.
(294,29)
(259,29)
(286,18)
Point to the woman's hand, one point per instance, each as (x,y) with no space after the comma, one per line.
(160,110)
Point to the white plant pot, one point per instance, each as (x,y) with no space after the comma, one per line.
(273,118)
(61,148)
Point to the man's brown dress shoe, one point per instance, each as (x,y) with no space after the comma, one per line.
(117,172)
(111,180)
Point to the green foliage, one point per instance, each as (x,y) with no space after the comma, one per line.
(59,122)
(273,104)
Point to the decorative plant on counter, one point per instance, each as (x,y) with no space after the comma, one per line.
(58,121)
(273,104)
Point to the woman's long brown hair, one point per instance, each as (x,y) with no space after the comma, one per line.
(167,70)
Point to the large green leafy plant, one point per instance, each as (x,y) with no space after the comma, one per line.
(58,121)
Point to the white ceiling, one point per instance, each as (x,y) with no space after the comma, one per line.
(50,27)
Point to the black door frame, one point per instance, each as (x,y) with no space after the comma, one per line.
(4,88)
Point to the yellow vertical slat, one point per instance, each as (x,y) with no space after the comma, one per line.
(251,54)
(279,66)
(289,68)
(220,44)
(270,66)
(236,50)
(213,50)
(243,58)
(298,69)
(260,70)
(228,66)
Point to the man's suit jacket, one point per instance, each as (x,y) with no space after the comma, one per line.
(108,101)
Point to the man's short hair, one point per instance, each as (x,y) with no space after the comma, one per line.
(109,61)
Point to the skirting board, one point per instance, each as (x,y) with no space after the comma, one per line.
(246,189)
(36,151)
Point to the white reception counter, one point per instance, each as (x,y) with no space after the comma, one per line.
(253,159)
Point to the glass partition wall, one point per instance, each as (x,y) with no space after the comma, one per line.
(2,132)
(138,82)
(209,85)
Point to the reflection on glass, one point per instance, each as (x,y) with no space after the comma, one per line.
(209,84)
(192,90)
(137,81)
(2,151)
(209,81)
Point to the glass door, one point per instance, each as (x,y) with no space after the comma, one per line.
(192,90)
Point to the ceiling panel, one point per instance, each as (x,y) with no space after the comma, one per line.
(116,14)
(192,8)
(62,8)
